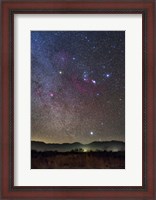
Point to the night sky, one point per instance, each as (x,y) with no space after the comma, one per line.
(77,86)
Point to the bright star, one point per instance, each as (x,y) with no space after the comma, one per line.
(91,133)
(93,81)
(60,72)
(107,75)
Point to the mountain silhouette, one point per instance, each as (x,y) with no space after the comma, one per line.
(113,146)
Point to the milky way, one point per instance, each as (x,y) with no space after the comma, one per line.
(77,86)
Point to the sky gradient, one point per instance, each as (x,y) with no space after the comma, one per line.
(77,86)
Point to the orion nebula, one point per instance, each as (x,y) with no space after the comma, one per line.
(77,86)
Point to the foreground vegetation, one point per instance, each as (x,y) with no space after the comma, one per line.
(77,160)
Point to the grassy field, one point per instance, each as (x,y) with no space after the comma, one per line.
(77,160)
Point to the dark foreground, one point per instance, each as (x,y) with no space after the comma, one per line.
(77,160)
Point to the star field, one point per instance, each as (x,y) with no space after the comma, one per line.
(77,86)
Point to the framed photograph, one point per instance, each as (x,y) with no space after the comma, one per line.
(77,99)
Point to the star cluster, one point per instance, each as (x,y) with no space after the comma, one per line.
(77,86)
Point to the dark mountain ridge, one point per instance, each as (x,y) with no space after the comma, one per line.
(113,145)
